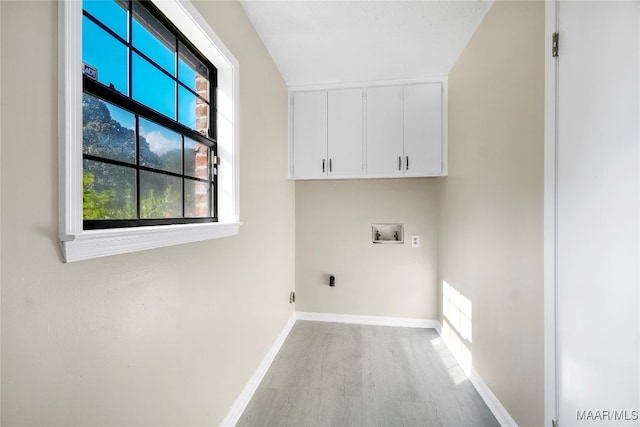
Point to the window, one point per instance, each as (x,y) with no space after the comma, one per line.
(149,130)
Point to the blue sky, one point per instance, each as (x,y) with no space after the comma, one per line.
(110,57)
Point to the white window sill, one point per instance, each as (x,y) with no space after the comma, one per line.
(99,243)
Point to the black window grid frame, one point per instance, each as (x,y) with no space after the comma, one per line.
(126,102)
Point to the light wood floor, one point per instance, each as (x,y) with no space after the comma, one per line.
(333,374)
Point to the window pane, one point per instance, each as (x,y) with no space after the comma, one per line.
(108,191)
(112,13)
(153,88)
(197,199)
(153,39)
(160,148)
(105,53)
(107,131)
(192,72)
(196,159)
(193,112)
(160,195)
(160,173)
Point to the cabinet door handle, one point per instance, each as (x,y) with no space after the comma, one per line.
(399,163)
(330,165)
(322,165)
(407,162)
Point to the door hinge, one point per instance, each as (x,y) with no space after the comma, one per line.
(554,423)
(554,45)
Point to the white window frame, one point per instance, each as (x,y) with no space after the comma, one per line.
(79,244)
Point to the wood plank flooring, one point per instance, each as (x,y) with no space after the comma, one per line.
(334,374)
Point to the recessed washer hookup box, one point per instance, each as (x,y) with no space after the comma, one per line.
(387,233)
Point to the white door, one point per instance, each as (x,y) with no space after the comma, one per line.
(309,134)
(345,133)
(598,214)
(423,129)
(384,131)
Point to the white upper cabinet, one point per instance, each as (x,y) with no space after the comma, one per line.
(309,134)
(345,142)
(384,131)
(423,130)
(327,134)
(374,132)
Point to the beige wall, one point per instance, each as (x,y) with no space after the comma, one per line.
(160,337)
(491,226)
(333,236)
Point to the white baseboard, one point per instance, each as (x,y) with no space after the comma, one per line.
(439,328)
(485,392)
(248,391)
(491,400)
(368,320)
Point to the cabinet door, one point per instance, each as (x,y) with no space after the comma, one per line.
(345,133)
(309,134)
(423,129)
(384,131)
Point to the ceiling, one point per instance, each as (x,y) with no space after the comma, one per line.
(327,42)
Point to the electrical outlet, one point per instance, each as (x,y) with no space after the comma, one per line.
(415,241)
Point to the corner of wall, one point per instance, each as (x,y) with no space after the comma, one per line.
(491,216)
